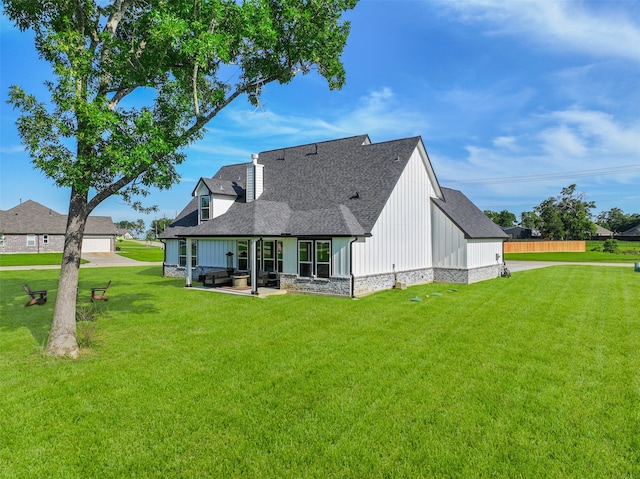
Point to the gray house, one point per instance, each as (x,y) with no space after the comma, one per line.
(33,228)
(344,217)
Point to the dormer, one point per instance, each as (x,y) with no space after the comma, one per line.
(215,197)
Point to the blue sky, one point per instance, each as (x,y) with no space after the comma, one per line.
(513,99)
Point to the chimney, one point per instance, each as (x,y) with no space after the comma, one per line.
(255,179)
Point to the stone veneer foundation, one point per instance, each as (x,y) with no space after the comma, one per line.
(363,285)
(466,276)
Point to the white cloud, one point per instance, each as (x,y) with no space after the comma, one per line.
(599,29)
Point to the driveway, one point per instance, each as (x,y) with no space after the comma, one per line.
(96,260)
(525,265)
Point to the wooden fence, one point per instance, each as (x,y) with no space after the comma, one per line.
(545,246)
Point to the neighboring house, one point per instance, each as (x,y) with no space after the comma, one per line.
(33,228)
(123,234)
(517,232)
(633,231)
(344,217)
(602,232)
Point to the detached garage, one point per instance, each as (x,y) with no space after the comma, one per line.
(33,228)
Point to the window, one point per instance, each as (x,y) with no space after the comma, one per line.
(204,207)
(268,256)
(279,255)
(314,258)
(182,253)
(323,259)
(45,239)
(31,240)
(305,258)
(1,240)
(243,255)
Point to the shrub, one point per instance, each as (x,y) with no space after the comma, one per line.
(610,246)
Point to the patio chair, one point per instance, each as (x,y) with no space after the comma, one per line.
(37,297)
(99,294)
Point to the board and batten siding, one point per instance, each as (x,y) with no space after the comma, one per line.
(401,237)
(449,243)
(482,252)
(340,256)
(214,252)
(171,251)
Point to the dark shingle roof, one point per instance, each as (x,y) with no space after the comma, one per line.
(31,217)
(336,188)
(467,216)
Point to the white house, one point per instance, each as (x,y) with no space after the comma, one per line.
(345,217)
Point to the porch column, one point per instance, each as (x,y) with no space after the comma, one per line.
(253,244)
(187,267)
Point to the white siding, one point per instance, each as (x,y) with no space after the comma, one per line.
(171,251)
(401,238)
(483,252)
(220,205)
(340,256)
(214,252)
(290,255)
(449,243)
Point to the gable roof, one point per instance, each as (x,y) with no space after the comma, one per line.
(634,230)
(467,216)
(31,217)
(336,188)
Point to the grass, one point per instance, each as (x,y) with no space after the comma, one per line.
(31,259)
(140,252)
(628,252)
(129,249)
(532,376)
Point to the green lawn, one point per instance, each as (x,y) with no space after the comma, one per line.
(628,252)
(139,252)
(31,259)
(532,376)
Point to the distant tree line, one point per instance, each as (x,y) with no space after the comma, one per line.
(566,216)
(137,228)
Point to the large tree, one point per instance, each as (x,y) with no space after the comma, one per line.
(567,216)
(502,218)
(136,81)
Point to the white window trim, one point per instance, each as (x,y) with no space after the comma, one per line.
(313,254)
(201,209)
(31,240)
(182,258)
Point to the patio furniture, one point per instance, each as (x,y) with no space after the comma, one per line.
(37,297)
(99,294)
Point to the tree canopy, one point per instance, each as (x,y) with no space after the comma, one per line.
(567,216)
(136,81)
(617,221)
(502,218)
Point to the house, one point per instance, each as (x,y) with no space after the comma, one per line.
(123,234)
(633,231)
(602,232)
(33,228)
(517,232)
(345,217)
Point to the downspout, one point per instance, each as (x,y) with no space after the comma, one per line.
(254,266)
(353,279)
(188,261)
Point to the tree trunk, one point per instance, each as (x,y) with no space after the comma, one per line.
(62,337)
